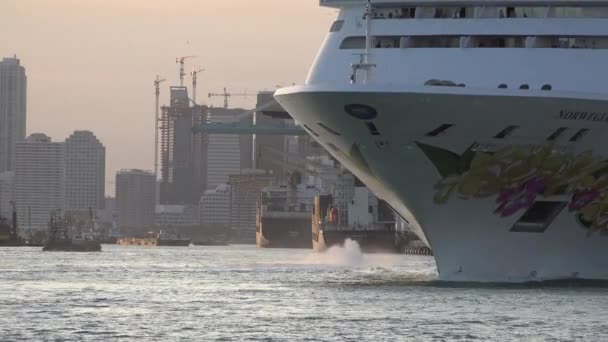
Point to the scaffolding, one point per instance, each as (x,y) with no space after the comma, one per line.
(183,153)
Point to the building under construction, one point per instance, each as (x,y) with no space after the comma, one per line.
(183,154)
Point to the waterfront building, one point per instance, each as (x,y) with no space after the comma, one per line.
(223,150)
(85,159)
(7,187)
(173,216)
(215,207)
(13,86)
(39,180)
(245,189)
(108,215)
(135,198)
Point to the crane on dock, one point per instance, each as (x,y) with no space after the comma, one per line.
(227,95)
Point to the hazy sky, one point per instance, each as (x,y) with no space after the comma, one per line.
(91,64)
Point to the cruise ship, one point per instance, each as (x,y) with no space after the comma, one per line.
(482,123)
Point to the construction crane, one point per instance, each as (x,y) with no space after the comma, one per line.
(182,73)
(194,74)
(157,83)
(226,95)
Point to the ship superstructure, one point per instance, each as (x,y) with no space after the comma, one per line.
(482,123)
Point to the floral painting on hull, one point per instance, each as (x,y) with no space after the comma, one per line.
(519,175)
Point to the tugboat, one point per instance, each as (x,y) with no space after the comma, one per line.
(59,239)
(363,223)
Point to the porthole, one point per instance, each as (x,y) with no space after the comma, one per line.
(524,86)
(361,111)
(546,87)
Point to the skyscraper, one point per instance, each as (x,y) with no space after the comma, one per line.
(223,150)
(13,85)
(39,180)
(135,198)
(85,162)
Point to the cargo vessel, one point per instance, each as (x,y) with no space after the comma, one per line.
(483,123)
(283,217)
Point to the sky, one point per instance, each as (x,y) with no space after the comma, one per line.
(91,64)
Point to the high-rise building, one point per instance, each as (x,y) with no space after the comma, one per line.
(39,180)
(85,166)
(135,198)
(182,152)
(13,85)
(246,187)
(7,187)
(215,207)
(176,216)
(224,150)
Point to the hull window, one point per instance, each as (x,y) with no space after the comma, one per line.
(506,132)
(372,128)
(538,218)
(328,129)
(439,130)
(478,41)
(333,147)
(336,26)
(579,135)
(557,133)
(310,130)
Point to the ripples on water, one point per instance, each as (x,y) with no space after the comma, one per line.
(243,293)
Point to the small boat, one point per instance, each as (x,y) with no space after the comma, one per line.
(61,241)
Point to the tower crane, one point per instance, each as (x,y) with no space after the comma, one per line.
(194,74)
(182,73)
(226,95)
(157,83)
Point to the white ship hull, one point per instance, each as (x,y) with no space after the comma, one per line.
(513,209)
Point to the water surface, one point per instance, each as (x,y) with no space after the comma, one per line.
(240,293)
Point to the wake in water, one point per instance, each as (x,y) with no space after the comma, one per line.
(347,255)
(350,255)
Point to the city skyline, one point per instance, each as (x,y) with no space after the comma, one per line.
(122,46)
